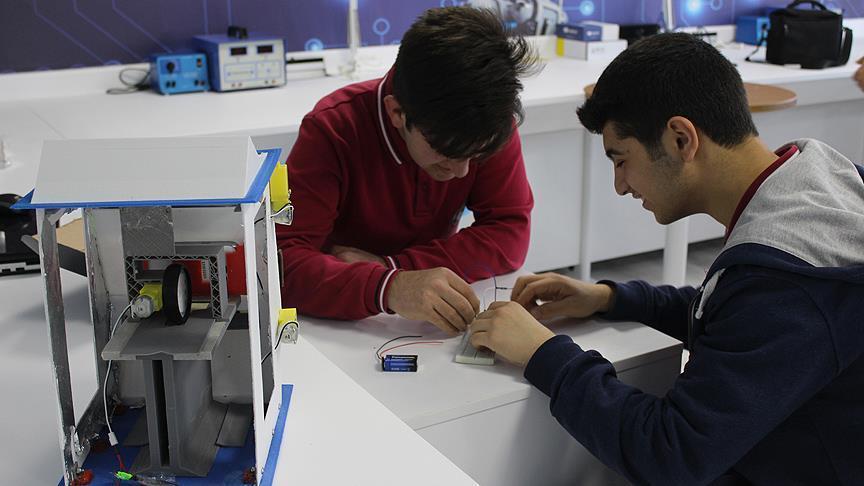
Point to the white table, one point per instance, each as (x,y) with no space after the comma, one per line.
(488,419)
(334,433)
(72,104)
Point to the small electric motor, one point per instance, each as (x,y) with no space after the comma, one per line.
(172,296)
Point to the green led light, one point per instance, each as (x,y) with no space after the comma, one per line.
(123,475)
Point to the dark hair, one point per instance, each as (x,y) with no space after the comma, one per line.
(457,80)
(670,75)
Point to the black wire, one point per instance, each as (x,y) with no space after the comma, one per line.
(278,341)
(131,87)
(495,285)
(763,37)
(497,288)
(390,341)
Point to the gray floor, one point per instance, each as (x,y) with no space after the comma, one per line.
(649,266)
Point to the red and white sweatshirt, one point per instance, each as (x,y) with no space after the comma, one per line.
(354,184)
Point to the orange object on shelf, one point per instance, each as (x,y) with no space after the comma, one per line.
(235,266)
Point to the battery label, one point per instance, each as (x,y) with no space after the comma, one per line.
(399,362)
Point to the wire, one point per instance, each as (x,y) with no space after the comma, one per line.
(131,87)
(262,218)
(763,37)
(378,352)
(278,340)
(119,458)
(112,439)
(410,344)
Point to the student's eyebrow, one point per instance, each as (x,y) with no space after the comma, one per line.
(612,152)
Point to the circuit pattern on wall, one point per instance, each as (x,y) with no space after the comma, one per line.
(56,34)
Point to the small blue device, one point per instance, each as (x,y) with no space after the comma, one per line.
(243,61)
(581,32)
(399,362)
(750,29)
(179,73)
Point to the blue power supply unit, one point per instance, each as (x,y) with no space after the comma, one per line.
(179,73)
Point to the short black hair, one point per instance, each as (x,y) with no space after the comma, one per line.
(456,78)
(670,75)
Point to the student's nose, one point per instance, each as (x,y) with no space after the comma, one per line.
(620,186)
(460,167)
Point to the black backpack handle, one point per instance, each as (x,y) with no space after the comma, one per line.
(804,2)
(846,47)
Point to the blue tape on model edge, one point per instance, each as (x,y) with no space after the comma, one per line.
(276,443)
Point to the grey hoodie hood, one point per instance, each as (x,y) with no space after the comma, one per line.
(811,207)
(806,218)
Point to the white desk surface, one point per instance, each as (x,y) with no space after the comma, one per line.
(335,432)
(443,390)
(28,412)
(280,110)
(25,123)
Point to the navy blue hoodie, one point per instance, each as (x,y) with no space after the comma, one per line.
(774,389)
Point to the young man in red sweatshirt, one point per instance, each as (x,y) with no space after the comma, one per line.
(382,171)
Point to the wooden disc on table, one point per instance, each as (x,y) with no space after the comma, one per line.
(760,97)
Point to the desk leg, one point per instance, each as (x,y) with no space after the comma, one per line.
(585,217)
(675,253)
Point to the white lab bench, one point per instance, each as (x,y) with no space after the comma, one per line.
(488,419)
(334,430)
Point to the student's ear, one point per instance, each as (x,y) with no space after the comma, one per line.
(394,111)
(681,138)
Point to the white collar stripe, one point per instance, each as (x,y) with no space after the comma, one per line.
(381,119)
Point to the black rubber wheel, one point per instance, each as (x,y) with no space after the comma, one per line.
(176,294)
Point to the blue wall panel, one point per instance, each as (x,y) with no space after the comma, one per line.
(55,34)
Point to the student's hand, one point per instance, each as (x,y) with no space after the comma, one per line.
(509,330)
(563,296)
(353,255)
(859,74)
(436,295)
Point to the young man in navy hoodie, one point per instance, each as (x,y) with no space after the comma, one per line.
(773,392)
(382,171)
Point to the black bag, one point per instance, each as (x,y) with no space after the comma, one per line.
(815,38)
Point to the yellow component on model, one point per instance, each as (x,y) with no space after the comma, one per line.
(280,193)
(287,327)
(154,291)
(287,315)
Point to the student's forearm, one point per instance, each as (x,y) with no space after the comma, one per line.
(321,285)
(665,308)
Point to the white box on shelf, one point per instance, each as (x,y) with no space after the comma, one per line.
(591,51)
(609,32)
